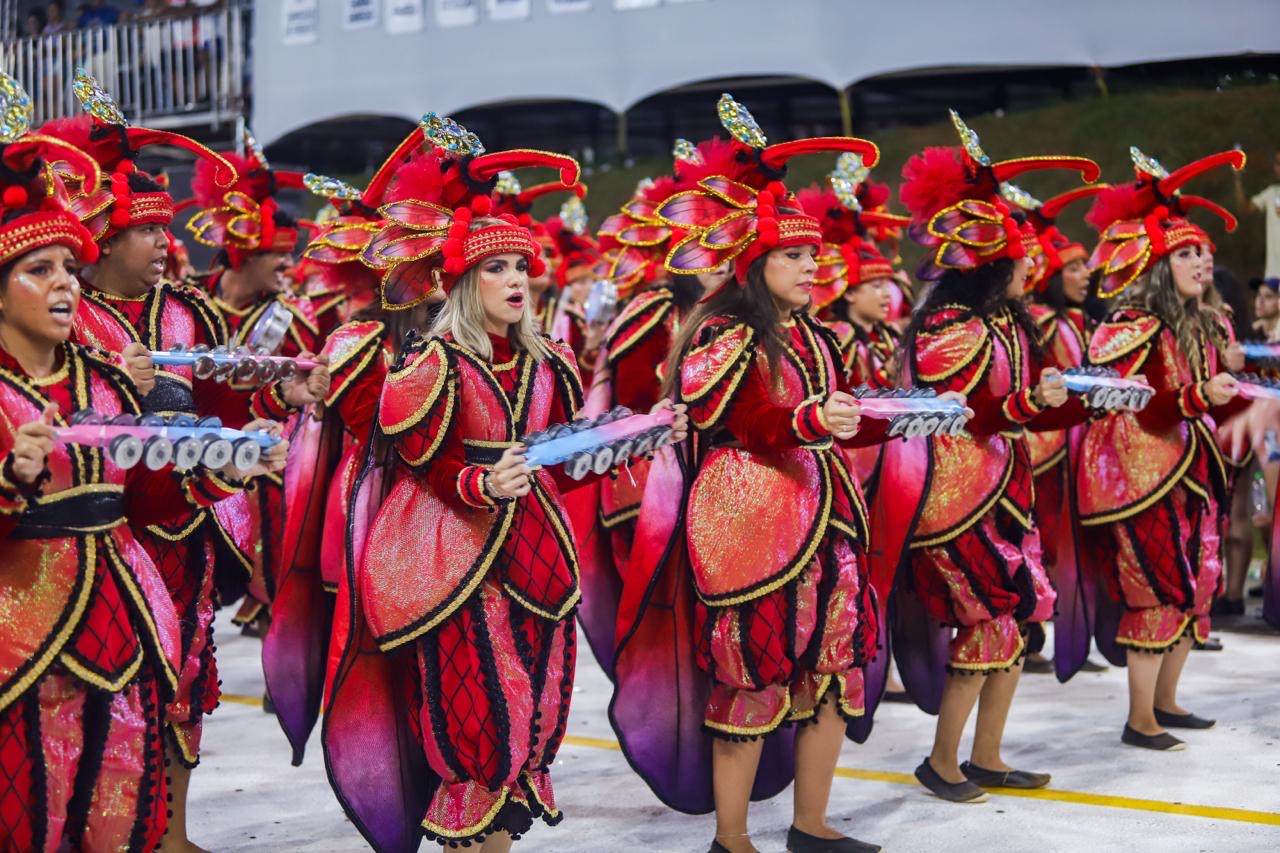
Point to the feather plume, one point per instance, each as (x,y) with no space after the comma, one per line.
(935,179)
(719,157)
(426,177)
(872,194)
(1119,204)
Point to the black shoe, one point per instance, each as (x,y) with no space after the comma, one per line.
(1210,645)
(1090,666)
(1183,721)
(268,707)
(1255,591)
(1163,742)
(899,696)
(1227,607)
(1003,778)
(1037,665)
(955,792)
(803,842)
(717,847)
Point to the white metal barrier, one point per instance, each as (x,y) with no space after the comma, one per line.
(170,72)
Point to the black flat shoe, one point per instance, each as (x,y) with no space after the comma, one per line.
(1090,666)
(1004,778)
(1163,742)
(953,792)
(1227,607)
(1213,644)
(1183,721)
(1038,665)
(803,842)
(717,847)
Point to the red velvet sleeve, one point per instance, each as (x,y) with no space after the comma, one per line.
(356,408)
(635,372)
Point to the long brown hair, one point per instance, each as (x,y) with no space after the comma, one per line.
(1191,322)
(750,303)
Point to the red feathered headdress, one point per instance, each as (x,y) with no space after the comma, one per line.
(1143,221)
(424,239)
(30,183)
(107,205)
(240,218)
(957,211)
(738,209)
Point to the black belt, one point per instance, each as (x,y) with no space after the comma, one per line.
(483,454)
(76,514)
(169,395)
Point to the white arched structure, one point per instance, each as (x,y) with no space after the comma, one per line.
(618,58)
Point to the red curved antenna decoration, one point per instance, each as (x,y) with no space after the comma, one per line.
(882,220)
(372,196)
(1007,170)
(1050,209)
(1190,201)
(1178,177)
(289,180)
(528,196)
(485,166)
(224,174)
(776,156)
(185,204)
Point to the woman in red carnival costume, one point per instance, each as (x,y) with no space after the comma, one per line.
(771,530)
(575,274)
(301,647)
(635,349)
(488,645)
(974,561)
(1157,481)
(128,309)
(255,240)
(1057,284)
(93,645)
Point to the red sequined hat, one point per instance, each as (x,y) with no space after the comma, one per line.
(241,218)
(1142,221)
(30,183)
(956,207)
(430,197)
(108,206)
(738,208)
(576,253)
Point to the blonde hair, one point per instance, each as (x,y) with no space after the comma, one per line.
(462,317)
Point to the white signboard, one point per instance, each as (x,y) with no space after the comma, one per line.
(625,5)
(507,10)
(360,14)
(560,7)
(405,16)
(301,23)
(457,13)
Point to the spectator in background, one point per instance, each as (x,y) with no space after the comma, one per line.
(57,19)
(96,13)
(34,25)
(1268,202)
(1266,308)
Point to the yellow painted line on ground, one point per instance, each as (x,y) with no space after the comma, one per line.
(1079,798)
